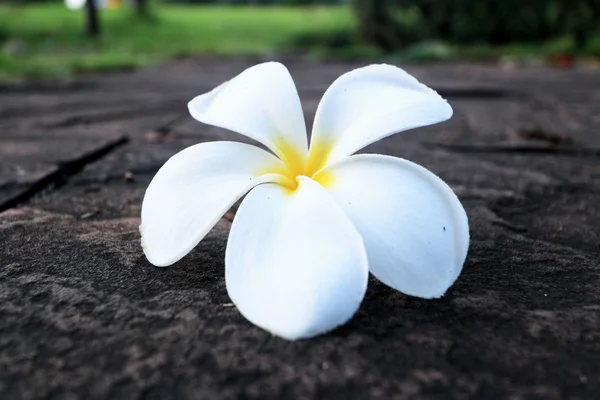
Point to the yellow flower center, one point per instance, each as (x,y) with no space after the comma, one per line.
(297,165)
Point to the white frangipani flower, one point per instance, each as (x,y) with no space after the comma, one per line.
(316,220)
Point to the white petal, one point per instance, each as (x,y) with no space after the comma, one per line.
(193,190)
(295,265)
(261,103)
(369,104)
(414,227)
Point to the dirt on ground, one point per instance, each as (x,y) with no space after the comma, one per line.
(84,315)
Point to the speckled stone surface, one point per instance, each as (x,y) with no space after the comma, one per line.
(83,315)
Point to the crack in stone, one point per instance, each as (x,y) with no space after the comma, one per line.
(516,148)
(61,175)
(88,118)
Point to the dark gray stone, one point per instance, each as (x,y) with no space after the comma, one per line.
(84,315)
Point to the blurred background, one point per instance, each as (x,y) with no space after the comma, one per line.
(56,38)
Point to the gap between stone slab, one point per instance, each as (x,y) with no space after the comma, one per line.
(516,148)
(67,169)
(477,92)
(62,173)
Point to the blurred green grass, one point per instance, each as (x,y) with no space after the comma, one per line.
(39,41)
(47,41)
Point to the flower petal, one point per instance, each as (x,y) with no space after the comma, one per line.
(193,190)
(369,104)
(295,265)
(414,227)
(263,104)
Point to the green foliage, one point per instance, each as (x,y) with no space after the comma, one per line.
(376,24)
(48,40)
(262,2)
(481,21)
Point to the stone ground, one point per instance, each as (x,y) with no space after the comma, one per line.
(84,315)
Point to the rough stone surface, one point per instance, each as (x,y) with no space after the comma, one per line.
(84,315)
